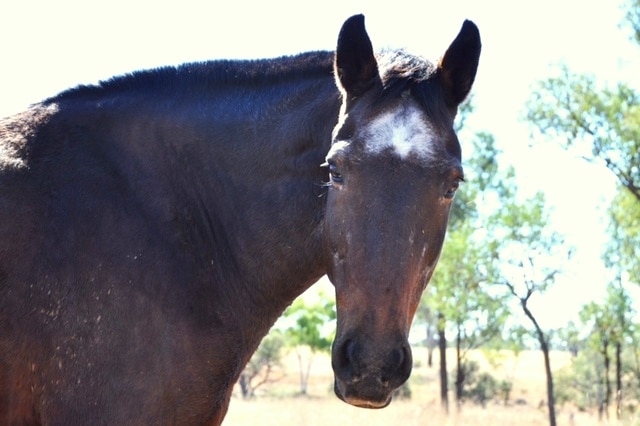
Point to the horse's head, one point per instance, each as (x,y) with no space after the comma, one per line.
(394,168)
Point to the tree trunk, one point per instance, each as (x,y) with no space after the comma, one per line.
(618,379)
(430,344)
(245,389)
(599,389)
(460,371)
(547,368)
(547,363)
(607,382)
(304,372)
(430,356)
(442,344)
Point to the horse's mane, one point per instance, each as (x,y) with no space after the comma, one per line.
(400,71)
(199,75)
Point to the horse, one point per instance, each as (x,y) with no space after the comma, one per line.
(154,226)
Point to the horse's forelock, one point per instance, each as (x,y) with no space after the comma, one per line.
(401,71)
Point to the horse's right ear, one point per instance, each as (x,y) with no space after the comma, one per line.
(458,66)
(355,64)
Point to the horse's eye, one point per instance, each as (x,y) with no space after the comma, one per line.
(451,192)
(336,176)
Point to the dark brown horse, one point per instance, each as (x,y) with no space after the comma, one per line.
(154,227)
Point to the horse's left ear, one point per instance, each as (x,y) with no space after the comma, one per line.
(355,64)
(458,66)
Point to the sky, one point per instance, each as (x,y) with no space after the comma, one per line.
(50,46)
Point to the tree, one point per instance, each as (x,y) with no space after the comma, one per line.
(460,293)
(427,316)
(264,362)
(622,253)
(601,340)
(569,338)
(600,124)
(479,387)
(312,331)
(632,19)
(610,323)
(531,256)
(464,296)
(442,347)
(634,364)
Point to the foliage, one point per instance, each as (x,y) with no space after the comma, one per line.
(611,326)
(403,392)
(312,331)
(479,386)
(622,254)
(583,382)
(632,18)
(580,383)
(569,338)
(310,323)
(632,362)
(504,389)
(461,293)
(532,256)
(600,124)
(263,364)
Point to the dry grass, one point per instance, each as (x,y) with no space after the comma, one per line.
(278,405)
(329,411)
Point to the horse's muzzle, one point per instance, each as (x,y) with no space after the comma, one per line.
(354,395)
(367,375)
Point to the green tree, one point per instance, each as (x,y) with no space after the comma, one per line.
(479,387)
(427,316)
(632,18)
(634,359)
(569,338)
(312,331)
(460,294)
(463,294)
(600,339)
(263,364)
(602,125)
(532,256)
(611,325)
(622,253)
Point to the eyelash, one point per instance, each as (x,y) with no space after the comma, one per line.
(451,192)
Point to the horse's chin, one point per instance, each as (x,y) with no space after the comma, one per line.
(358,399)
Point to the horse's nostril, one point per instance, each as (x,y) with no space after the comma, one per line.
(406,361)
(346,360)
(397,358)
(350,352)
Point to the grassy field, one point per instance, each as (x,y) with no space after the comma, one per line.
(277,403)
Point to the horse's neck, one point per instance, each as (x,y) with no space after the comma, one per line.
(253,188)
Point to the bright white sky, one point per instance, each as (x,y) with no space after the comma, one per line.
(50,46)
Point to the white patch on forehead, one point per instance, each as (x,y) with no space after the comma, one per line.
(337,147)
(404,130)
